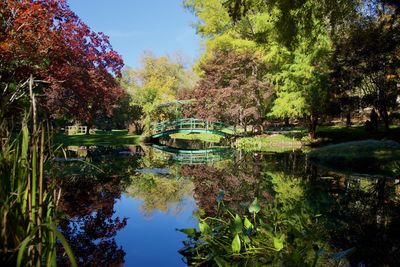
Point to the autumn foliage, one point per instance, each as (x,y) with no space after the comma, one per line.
(231,90)
(46,39)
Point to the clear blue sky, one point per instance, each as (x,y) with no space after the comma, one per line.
(134,26)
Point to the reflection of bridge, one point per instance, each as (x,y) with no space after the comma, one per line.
(195,156)
(190,125)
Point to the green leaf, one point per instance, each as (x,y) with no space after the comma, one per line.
(254,207)
(22,249)
(237,224)
(246,239)
(65,244)
(278,243)
(247,224)
(204,228)
(190,232)
(236,244)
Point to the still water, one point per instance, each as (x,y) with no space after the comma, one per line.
(123,205)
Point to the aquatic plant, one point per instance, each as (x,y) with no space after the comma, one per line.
(27,215)
(251,240)
(287,230)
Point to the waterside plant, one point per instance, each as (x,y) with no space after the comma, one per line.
(29,231)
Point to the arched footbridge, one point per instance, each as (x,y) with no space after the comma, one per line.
(190,125)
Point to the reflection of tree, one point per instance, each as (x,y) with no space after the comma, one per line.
(309,210)
(209,181)
(287,231)
(165,191)
(89,192)
(91,229)
(367,213)
(241,180)
(159,192)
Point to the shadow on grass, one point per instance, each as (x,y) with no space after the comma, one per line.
(365,157)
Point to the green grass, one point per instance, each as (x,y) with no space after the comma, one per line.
(272,143)
(206,137)
(367,156)
(115,137)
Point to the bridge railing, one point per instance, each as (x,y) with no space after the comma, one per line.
(190,124)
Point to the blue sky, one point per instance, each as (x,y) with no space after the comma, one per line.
(135,26)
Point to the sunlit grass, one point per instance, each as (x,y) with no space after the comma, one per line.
(115,137)
(272,143)
(205,137)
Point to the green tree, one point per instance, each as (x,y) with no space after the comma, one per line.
(293,39)
(367,61)
(154,84)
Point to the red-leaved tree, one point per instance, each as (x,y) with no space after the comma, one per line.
(231,90)
(44,38)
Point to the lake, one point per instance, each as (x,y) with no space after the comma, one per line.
(123,205)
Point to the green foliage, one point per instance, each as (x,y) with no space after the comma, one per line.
(234,240)
(302,82)
(213,19)
(155,84)
(293,40)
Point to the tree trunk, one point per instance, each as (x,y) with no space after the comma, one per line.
(348,119)
(89,126)
(312,127)
(385,117)
(286,121)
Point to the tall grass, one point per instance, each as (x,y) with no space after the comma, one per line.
(27,215)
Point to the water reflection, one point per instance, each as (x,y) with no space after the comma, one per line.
(318,216)
(111,192)
(96,179)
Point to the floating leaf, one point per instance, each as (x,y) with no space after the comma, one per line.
(236,244)
(278,243)
(254,207)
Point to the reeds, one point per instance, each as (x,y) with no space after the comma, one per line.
(27,215)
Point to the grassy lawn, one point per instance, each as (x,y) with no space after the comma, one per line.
(271,143)
(371,156)
(294,138)
(206,137)
(115,137)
